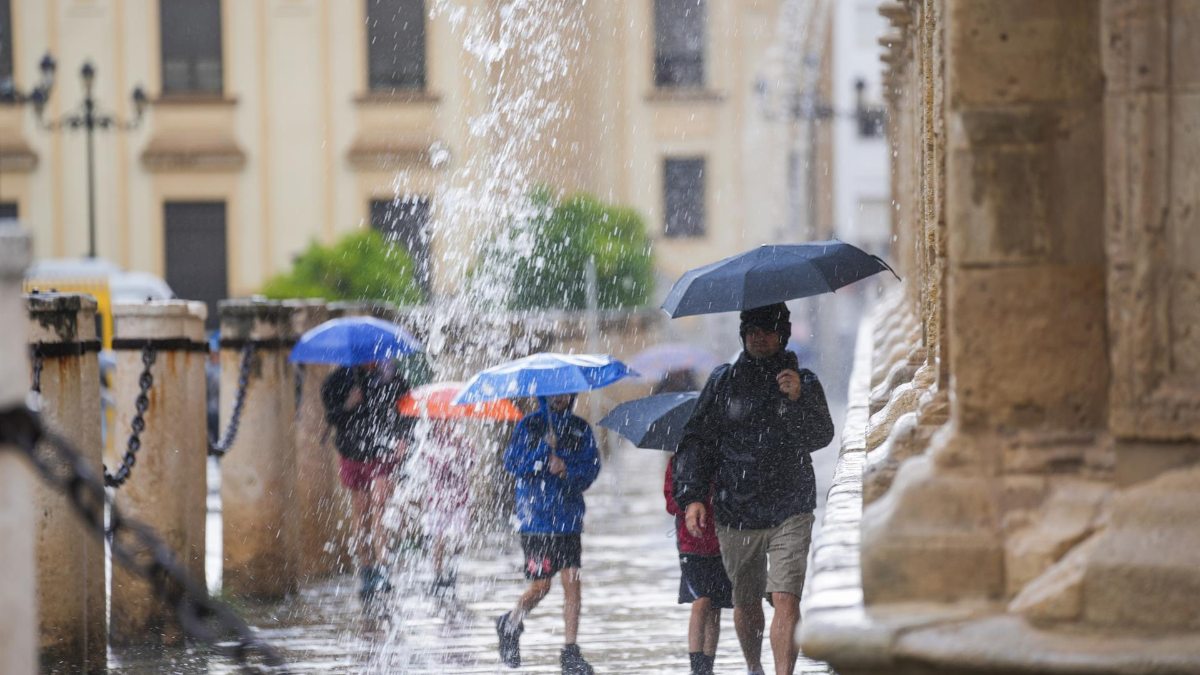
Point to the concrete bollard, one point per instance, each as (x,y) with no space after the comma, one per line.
(70,560)
(323,514)
(196,512)
(161,488)
(258,473)
(18,605)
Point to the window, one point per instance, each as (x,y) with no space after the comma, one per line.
(679,27)
(405,221)
(396,44)
(196,253)
(6,48)
(190,32)
(8,210)
(683,197)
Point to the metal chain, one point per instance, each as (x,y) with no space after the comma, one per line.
(133,544)
(39,362)
(219,448)
(138,424)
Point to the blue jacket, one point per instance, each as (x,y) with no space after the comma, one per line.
(545,503)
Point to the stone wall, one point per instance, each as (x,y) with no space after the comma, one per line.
(1033,449)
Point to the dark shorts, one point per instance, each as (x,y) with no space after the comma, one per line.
(703,576)
(546,554)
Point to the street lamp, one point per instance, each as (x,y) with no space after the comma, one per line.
(85,117)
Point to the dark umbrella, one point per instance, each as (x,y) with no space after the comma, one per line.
(770,274)
(654,422)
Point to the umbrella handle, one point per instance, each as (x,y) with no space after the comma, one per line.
(881,261)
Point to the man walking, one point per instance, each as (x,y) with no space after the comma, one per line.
(553,457)
(754,425)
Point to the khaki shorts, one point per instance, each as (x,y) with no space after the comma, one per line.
(760,562)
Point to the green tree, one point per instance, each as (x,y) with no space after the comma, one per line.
(566,235)
(359,266)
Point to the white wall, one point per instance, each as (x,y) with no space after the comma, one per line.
(861,198)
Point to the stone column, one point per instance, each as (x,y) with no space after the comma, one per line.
(1023,296)
(162,484)
(196,509)
(258,474)
(18,520)
(324,519)
(70,558)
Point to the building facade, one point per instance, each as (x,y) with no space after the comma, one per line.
(275,123)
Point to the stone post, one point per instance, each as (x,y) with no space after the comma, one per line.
(70,558)
(258,473)
(196,501)
(323,515)
(18,606)
(161,487)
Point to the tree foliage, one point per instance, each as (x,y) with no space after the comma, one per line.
(359,266)
(566,235)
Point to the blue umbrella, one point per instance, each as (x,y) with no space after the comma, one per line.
(654,422)
(770,274)
(353,340)
(541,375)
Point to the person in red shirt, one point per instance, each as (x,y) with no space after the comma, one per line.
(702,582)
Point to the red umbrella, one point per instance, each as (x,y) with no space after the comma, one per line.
(435,402)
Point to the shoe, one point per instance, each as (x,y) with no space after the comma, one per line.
(510,641)
(573,662)
(701,663)
(443,586)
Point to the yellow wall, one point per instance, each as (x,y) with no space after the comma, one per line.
(295,105)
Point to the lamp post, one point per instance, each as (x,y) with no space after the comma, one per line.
(86,117)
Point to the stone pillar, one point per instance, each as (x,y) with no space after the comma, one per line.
(161,487)
(258,474)
(18,603)
(70,558)
(323,515)
(196,501)
(1024,296)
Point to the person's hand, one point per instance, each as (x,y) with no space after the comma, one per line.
(353,399)
(557,466)
(789,383)
(551,440)
(695,517)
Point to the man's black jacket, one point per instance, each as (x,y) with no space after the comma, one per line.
(755,442)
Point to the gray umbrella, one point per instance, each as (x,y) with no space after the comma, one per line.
(770,274)
(654,422)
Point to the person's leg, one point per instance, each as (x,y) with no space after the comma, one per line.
(697,624)
(712,631)
(783,632)
(572,603)
(537,591)
(748,623)
(382,488)
(360,501)
(787,551)
(744,553)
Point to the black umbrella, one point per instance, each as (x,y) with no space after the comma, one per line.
(654,422)
(770,274)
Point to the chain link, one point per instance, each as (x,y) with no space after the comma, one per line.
(34,398)
(218,448)
(133,544)
(138,424)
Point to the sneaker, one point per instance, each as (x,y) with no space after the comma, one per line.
(374,583)
(573,662)
(510,641)
(443,586)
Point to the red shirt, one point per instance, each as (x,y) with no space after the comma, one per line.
(706,543)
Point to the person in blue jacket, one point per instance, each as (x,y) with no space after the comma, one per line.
(554,462)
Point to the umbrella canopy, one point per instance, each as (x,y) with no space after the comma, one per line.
(654,422)
(545,374)
(353,340)
(435,401)
(655,362)
(770,274)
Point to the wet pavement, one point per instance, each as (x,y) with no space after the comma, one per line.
(631,622)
